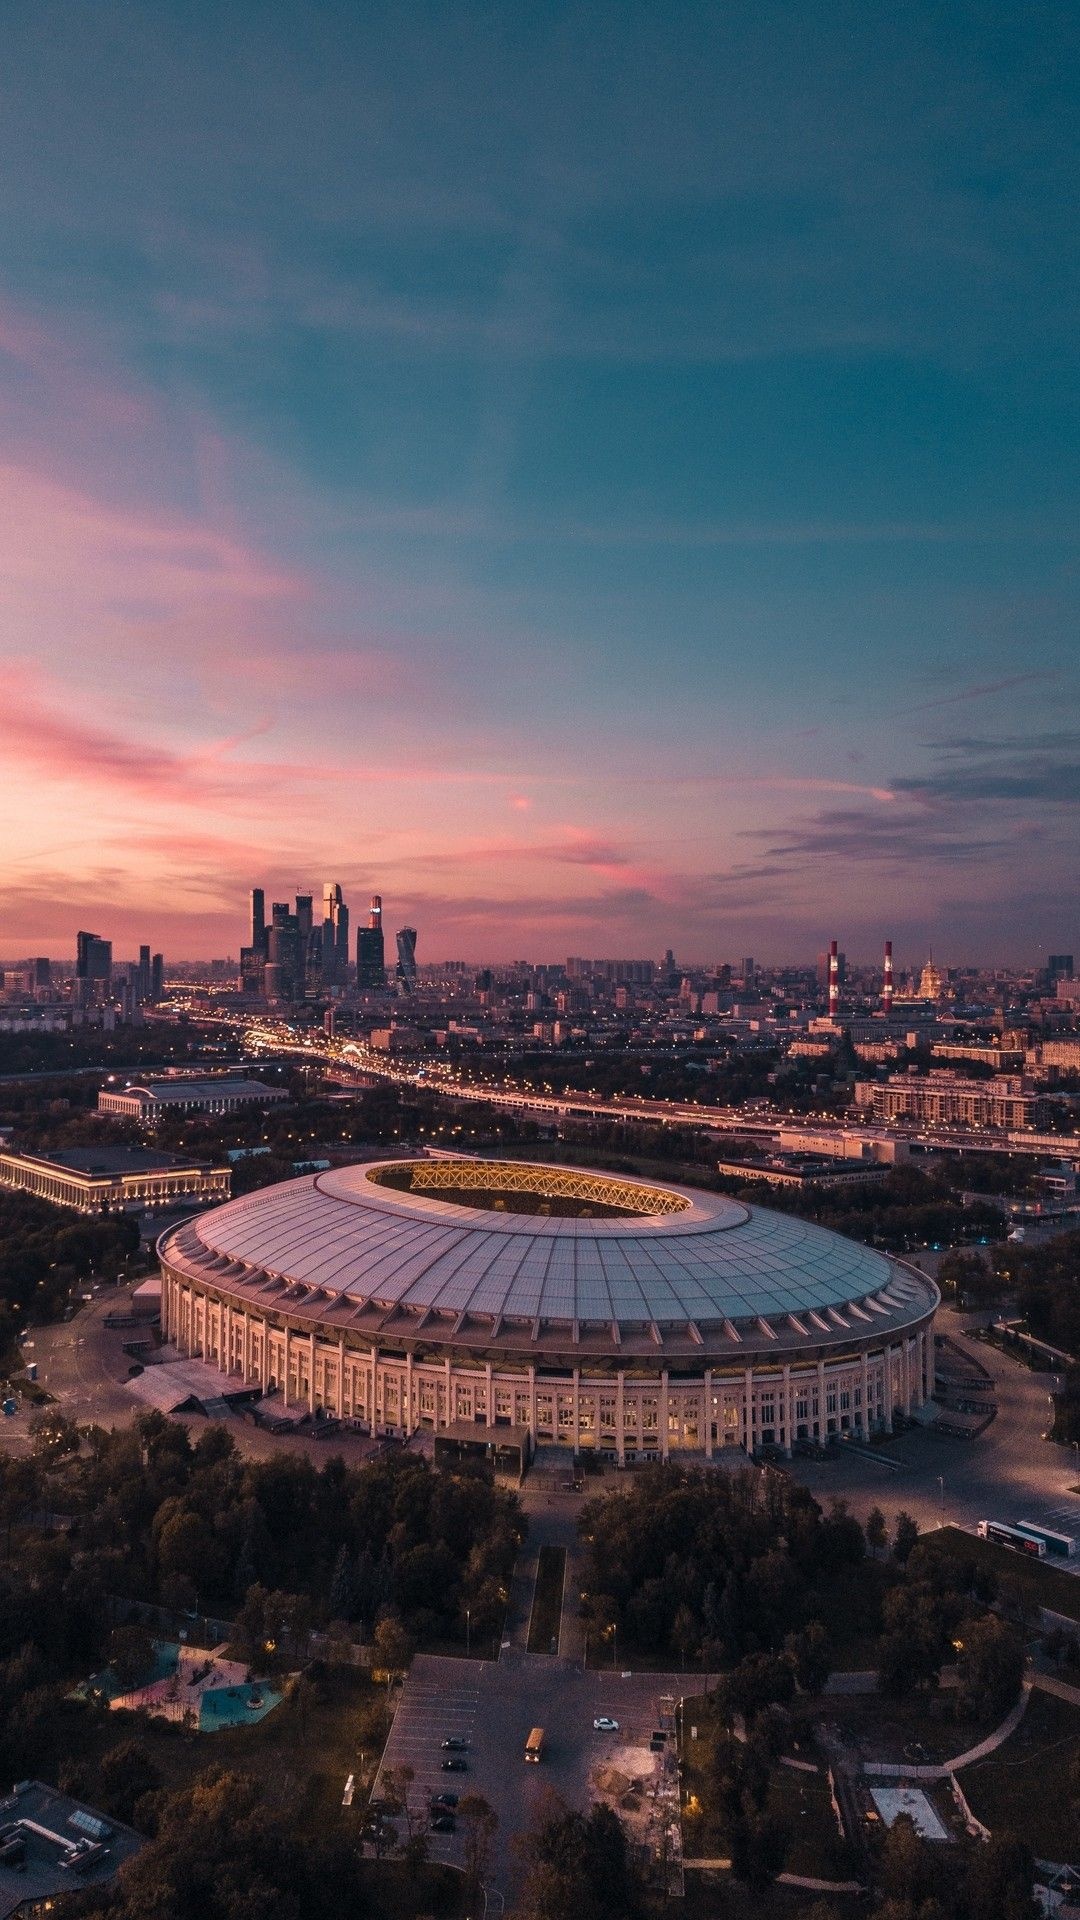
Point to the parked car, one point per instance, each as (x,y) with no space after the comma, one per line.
(454,1765)
(455,1744)
(443,1802)
(443,1822)
(602,1724)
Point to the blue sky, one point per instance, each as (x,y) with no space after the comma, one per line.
(604,477)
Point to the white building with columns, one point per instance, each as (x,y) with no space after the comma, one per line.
(600,1312)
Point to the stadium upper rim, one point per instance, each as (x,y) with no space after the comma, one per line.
(675,1271)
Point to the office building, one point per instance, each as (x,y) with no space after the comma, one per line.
(284,972)
(406,959)
(371,950)
(258,921)
(335,936)
(595,1312)
(93,959)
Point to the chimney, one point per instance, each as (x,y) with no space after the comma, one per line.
(887,981)
(834,981)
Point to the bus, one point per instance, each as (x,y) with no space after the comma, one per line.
(1061,1546)
(534,1745)
(1012,1537)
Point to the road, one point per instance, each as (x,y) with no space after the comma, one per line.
(1009,1472)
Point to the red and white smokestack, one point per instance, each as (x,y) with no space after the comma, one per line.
(834,981)
(887,980)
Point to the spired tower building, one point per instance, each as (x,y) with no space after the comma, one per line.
(335,936)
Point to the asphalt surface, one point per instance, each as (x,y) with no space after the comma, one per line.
(1009,1472)
(494,1705)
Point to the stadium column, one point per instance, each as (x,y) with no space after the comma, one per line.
(532,1404)
(407,1413)
(865,1395)
(620,1432)
(341,1377)
(888,1388)
(245,1349)
(789,1408)
(748,1409)
(489,1401)
(449,1407)
(311,1372)
(225,1339)
(822,1422)
(905,1376)
(931,1381)
(708,1414)
(665,1415)
(285,1370)
(577,1410)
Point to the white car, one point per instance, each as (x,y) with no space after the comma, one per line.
(603,1725)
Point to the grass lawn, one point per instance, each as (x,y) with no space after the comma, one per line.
(547,1599)
(305,1749)
(881,1729)
(301,1755)
(1023,1786)
(1039,1584)
(799,1801)
(718,1897)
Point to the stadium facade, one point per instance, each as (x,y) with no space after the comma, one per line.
(596,1311)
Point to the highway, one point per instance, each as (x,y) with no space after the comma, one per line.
(756,1122)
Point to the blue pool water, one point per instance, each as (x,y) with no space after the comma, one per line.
(233,1706)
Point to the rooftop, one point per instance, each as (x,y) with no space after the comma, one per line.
(347,1248)
(51,1826)
(107,1162)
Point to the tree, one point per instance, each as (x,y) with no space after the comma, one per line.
(342,1598)
(905,1534)
(123,1777)
(52,1434)
(877,1538)
(131,1656)
(479,1822)
(990,1668)
(577,1866)
(393,1647)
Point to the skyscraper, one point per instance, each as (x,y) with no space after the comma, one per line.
(258,920)
(335,936)
(406,959)
(284,976)
(93,957)
(371,949)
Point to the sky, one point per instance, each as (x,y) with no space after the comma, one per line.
(603,476)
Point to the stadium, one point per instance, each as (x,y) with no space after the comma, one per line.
(590,1310)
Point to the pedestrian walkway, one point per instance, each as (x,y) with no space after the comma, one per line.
(1061,1690)
(894,1770)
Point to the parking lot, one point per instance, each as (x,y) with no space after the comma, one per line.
(494,1705)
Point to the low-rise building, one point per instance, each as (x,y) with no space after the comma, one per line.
(52,1845)
(148,1100)
(945,1099)
(114,1179)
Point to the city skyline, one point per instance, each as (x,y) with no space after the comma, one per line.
(599,480)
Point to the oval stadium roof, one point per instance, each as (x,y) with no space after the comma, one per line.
(686,1258)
